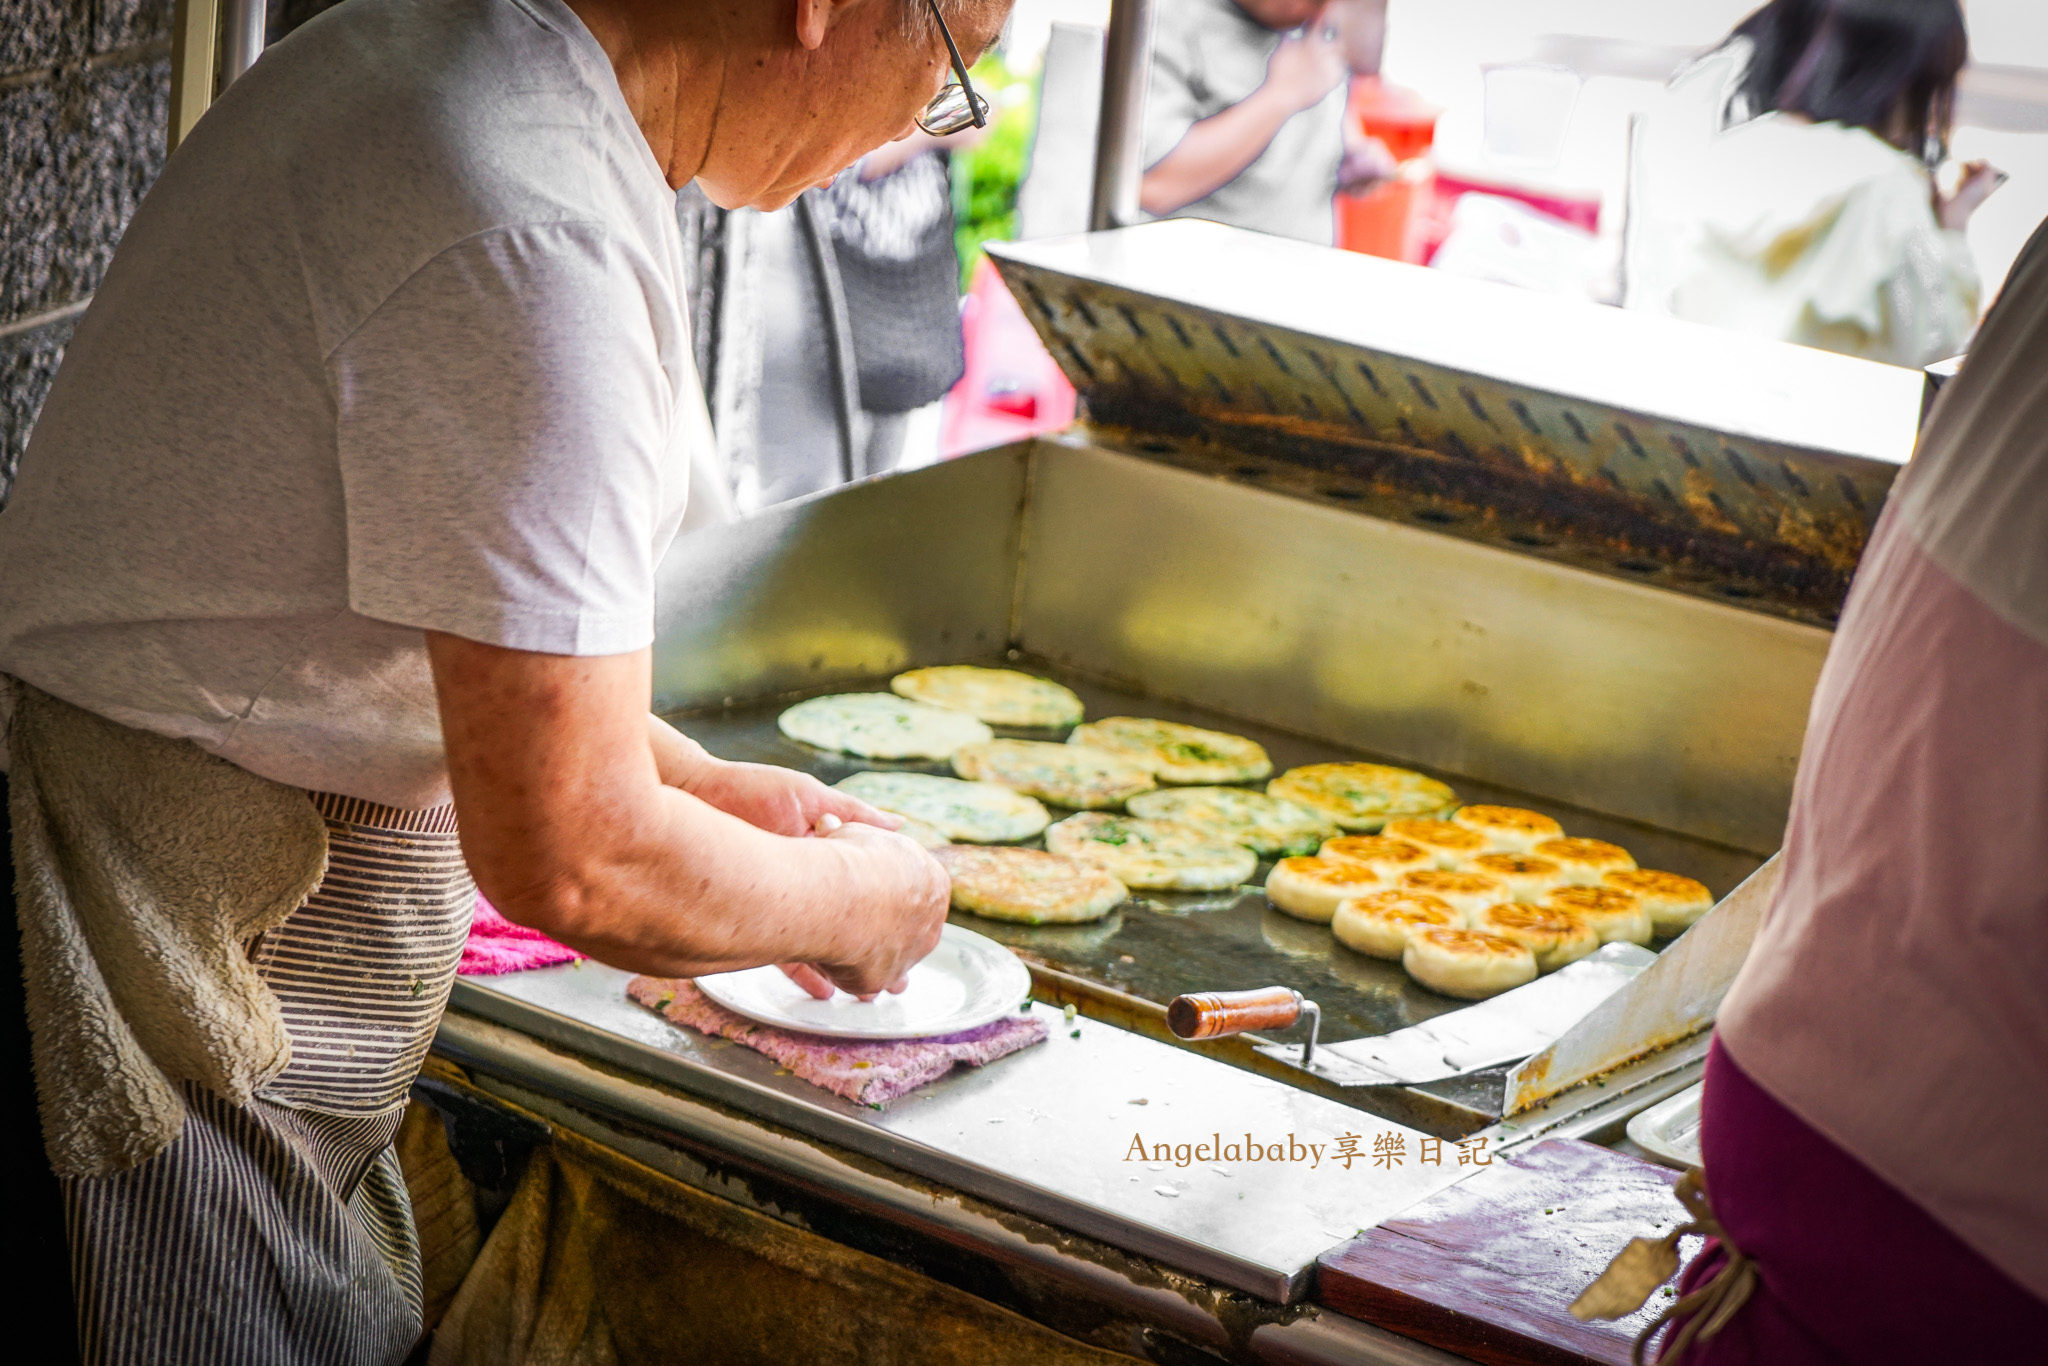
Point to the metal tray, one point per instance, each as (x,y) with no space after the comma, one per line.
(1048,1131)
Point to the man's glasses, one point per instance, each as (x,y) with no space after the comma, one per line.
(957,106)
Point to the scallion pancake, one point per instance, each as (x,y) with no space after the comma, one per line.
(979,813)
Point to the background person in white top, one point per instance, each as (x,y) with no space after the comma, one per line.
(1806,209)
(1244,113)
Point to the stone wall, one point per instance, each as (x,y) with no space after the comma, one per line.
(84,94)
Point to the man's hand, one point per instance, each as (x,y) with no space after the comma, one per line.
(780,799)
(1307,65)
(818,984)
(920,888)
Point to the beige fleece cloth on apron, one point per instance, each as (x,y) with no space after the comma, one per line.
(144,867)
(231,985)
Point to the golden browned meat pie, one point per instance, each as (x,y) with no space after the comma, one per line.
(1555,936)
(1449,844)
(1381,923)
(1310,888)
(1528,877)
(1467,893)
(1585,862)
(1615,915)
(1673,901)
(1467,964)
(1510,829)
(1383,854)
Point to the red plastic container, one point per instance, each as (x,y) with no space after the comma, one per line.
(1391,219)
(1399,118)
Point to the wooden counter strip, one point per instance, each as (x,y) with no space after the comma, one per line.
(1487,1268)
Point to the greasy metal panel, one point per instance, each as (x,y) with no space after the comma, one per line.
(1723,381)
(1604,694)
(1760,463)
(859,581)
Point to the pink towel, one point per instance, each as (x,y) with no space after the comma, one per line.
(868,1072)
(497,945)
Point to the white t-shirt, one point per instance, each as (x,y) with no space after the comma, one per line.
(394,343)
(1819,234)
(1208,55)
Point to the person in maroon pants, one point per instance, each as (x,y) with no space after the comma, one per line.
(1879,1080)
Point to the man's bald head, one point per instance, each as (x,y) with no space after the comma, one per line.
(759,100)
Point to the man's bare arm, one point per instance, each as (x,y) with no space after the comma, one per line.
(569,827)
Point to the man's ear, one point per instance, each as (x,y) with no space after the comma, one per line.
(815,18)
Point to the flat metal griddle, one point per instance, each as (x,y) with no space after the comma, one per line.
(1161,944)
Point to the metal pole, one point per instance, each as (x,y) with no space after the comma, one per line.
(212,42)
(195,43)
(1119,138)
(241,37)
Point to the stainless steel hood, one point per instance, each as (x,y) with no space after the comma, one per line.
(1674,454)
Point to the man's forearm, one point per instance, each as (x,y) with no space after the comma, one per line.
(672,886)
(567,823)
(1214,152)
(610,855)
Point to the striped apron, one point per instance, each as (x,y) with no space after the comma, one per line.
(280,1232)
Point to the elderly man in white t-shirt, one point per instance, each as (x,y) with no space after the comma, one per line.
(352,487)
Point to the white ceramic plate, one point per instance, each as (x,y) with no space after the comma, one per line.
(1670,1130)
(966,982)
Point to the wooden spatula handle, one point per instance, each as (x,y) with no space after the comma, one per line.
(1214,1014)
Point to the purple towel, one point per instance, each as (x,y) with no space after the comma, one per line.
(870,1072)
